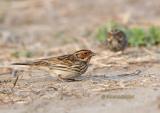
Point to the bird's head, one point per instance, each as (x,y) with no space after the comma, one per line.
(115,34)
(83,55)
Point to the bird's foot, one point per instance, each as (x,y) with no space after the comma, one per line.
(68,79)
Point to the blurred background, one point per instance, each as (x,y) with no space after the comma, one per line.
(45,25)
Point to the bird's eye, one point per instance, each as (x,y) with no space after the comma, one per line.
(86,53)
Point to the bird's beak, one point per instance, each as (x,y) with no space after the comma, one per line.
(93,54)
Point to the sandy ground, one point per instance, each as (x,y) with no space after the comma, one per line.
(114,82)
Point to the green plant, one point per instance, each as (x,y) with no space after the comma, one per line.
(137,36)
(154,33)
(18,54)
(101,32)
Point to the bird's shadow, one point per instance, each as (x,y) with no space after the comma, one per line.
(125,76)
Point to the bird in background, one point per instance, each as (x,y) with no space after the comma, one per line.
(66,67)
(116,40)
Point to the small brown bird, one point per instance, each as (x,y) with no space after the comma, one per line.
(116,40)
(67,67)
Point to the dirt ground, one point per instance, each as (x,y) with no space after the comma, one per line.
(114,82)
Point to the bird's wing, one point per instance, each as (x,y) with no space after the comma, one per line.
(66,60)
(61,60)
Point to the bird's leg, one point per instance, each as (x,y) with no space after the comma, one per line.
(60,78)
(67,79)
(73,79)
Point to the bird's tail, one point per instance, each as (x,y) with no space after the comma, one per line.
(23,63)
(5,70)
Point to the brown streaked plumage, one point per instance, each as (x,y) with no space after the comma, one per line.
(66,67)
(116,40)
